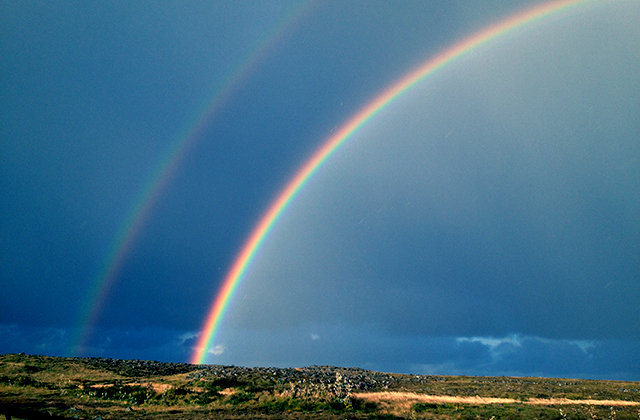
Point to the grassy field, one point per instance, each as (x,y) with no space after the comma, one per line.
(33,387)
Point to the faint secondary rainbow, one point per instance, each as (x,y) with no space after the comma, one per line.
(257,237)
(121,245)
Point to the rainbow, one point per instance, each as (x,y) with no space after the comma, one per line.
(190,131)
(431,66)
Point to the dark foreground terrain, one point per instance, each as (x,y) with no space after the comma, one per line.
(39,387)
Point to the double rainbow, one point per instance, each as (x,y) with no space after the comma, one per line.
(431,66)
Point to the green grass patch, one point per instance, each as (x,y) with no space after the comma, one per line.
(132,394)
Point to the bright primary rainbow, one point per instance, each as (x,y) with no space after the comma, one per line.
(274,212)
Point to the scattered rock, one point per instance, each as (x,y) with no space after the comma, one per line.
(136,368)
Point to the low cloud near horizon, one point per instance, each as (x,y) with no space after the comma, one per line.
(483,356)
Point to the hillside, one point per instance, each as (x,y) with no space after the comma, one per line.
(33,387)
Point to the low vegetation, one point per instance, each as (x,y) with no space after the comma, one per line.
(33,387)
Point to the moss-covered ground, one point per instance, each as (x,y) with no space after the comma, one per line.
(33,387)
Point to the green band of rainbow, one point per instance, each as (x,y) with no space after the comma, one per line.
(267,222)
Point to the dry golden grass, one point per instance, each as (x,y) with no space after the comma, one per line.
(412,397)
(436,399)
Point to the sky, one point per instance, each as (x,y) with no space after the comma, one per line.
(485,222)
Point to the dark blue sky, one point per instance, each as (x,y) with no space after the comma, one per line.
(485,223)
